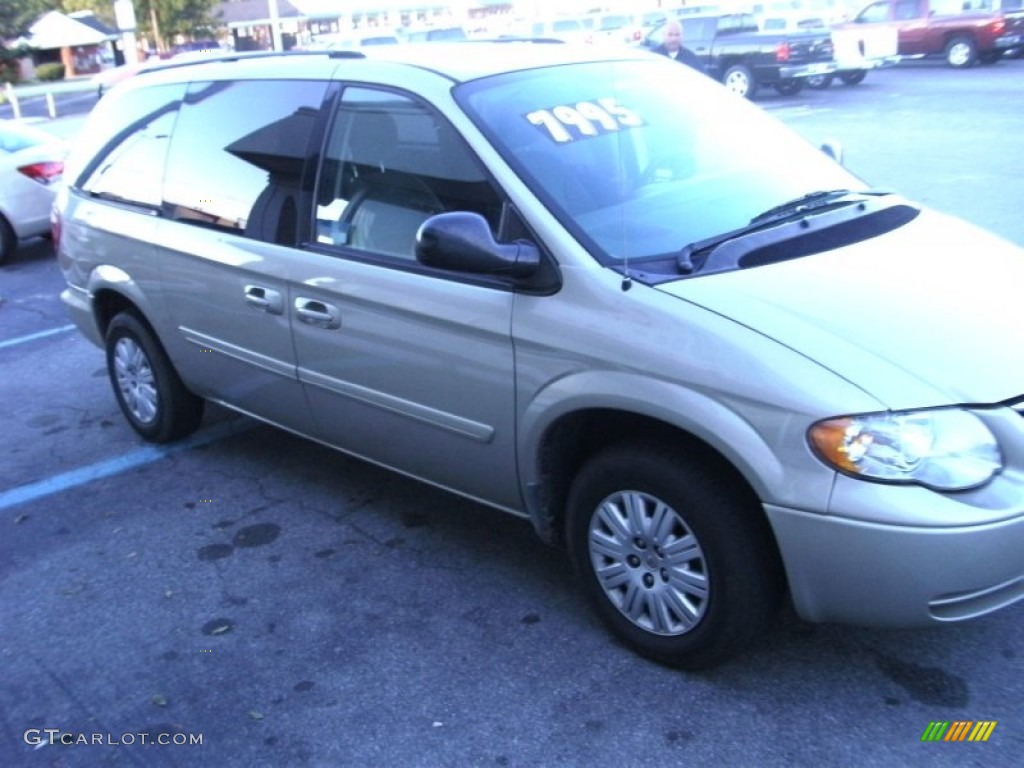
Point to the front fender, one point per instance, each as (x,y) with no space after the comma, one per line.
(747,434)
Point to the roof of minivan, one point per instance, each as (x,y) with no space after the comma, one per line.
(468,60)
(457,61)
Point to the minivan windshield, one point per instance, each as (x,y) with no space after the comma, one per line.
(639,158)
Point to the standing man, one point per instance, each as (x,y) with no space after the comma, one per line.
(672,46)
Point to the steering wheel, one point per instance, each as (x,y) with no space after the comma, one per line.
(672,166)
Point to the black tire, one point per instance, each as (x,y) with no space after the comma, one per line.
(791,86)
(728,544)
(740,80)
(8,240)
(819,82)
(148,389)
(961,52)
(853,77)
(989,57)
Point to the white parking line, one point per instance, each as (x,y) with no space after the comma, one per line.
(62,482)
(33,336)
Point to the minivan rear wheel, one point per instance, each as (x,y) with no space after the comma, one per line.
(679,564)
(151,394)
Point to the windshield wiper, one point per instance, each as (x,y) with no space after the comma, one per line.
(799,208)
(813,201)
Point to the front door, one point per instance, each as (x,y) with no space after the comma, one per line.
(403,365)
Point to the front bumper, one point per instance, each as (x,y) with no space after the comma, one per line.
(870,573)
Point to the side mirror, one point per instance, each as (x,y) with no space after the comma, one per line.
(833,149)
(462,242)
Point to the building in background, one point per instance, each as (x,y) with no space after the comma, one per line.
(79,41)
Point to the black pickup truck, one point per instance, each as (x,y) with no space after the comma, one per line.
(733,49)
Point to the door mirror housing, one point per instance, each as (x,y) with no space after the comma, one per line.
(461,241)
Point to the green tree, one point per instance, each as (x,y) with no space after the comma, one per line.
(158,20)
(16,16)
(162,20)
(104,9)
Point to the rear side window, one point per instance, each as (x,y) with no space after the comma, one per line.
(121,156)
(905,10)
(874,13)
(238,153)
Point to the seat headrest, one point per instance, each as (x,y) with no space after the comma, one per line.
(372,137)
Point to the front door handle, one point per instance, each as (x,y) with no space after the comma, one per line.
(316,313)
(266,299)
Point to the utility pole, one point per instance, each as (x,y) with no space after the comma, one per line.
(124,13)
(275,25)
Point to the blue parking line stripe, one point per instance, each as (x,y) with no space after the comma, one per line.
(83,475)
(34,336)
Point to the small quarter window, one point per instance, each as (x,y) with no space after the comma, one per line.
(128,146)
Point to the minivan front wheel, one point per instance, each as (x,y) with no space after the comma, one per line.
(148,389)
(677,563)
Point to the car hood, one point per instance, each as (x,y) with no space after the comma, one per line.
(927,314)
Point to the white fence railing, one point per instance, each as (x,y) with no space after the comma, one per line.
(47,91)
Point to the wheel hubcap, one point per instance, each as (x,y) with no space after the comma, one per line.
(959,54)
(135,380)
(648,563)
(737,83)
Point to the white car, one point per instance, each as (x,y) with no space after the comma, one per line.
(31,162)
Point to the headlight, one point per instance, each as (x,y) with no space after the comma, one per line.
(946,449)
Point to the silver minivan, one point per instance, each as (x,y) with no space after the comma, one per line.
(589,288)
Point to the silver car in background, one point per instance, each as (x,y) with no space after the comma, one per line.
(587,287)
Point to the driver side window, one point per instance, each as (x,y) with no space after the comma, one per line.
(391,162)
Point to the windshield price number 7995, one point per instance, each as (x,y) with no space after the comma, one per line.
(566,123)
